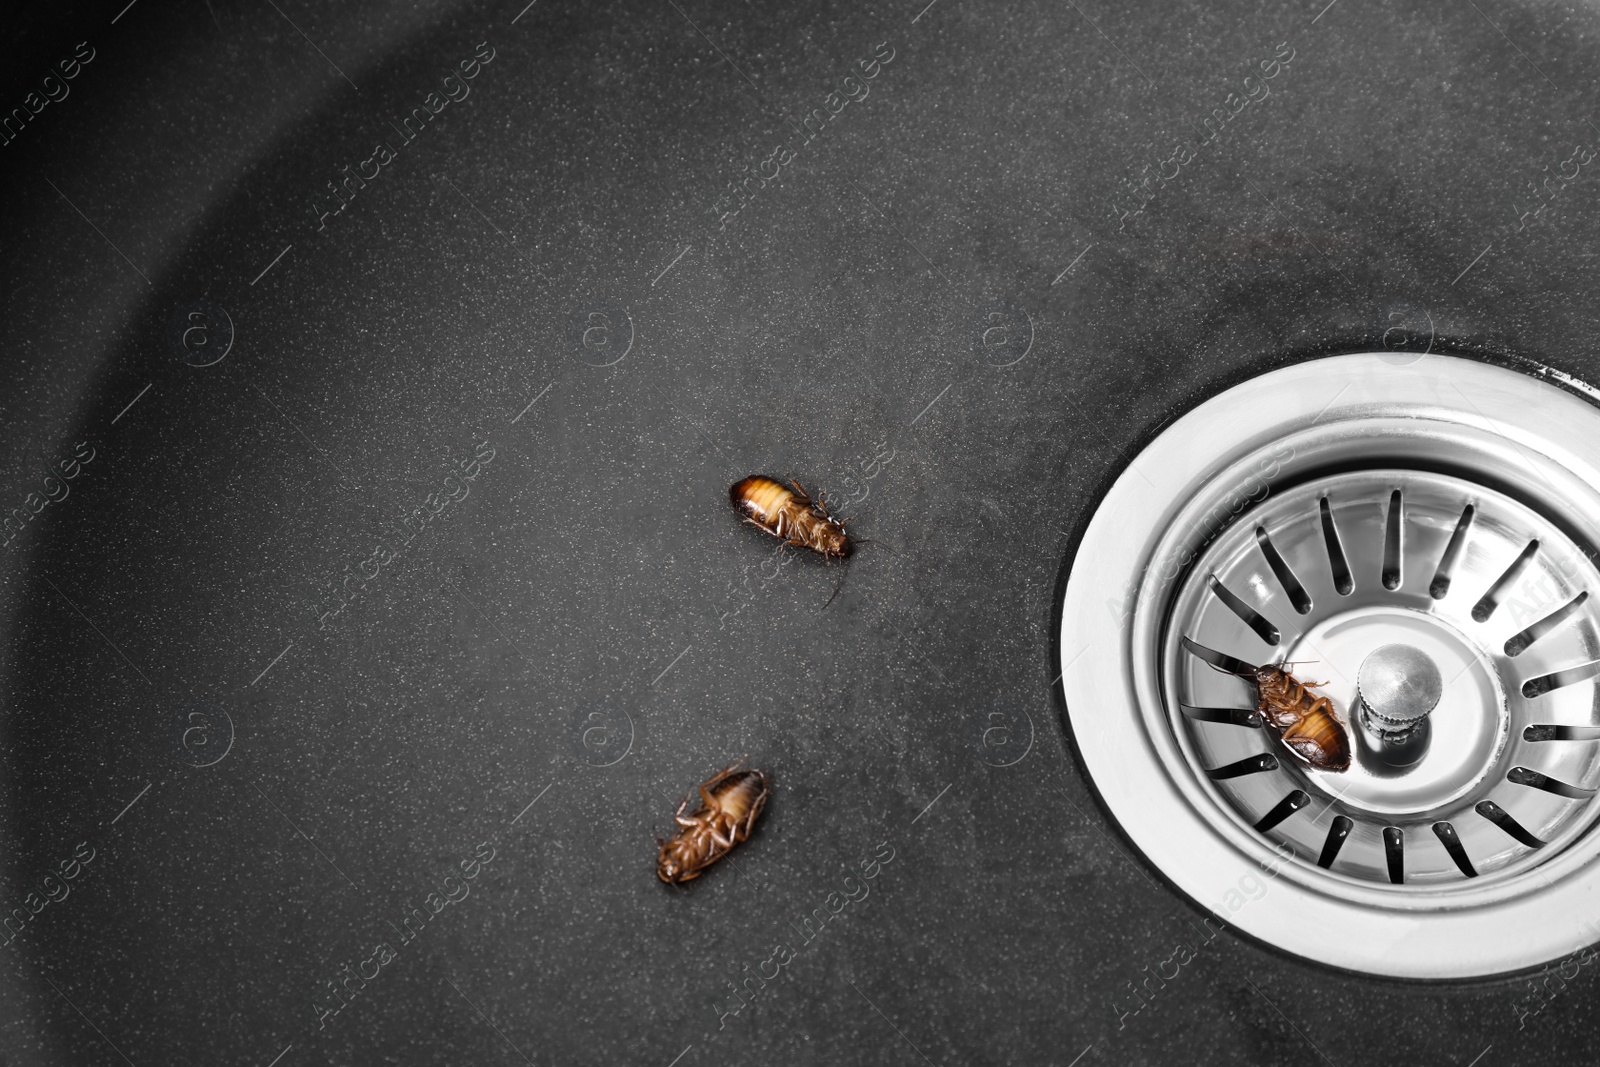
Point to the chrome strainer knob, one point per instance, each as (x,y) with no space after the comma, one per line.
(1397,687)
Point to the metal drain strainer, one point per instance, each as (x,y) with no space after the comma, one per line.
(1423,529)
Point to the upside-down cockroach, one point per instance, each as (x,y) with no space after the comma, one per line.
(1307,724)
(730,803)
(790,514)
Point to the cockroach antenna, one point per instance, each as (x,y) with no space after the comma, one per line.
(836,587)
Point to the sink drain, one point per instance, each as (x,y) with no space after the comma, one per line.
(1416,538)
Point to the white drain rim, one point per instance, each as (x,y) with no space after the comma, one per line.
(1508,428)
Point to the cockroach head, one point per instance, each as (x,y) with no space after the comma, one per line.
(835,542)
(673,867)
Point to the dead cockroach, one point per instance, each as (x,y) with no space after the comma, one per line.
(1307,724)
(790,514)
(730,803)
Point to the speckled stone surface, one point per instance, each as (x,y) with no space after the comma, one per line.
(957,295)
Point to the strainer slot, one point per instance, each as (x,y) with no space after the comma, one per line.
(1452,554)
(1284,808)
(1393,548)
(1249,765)
(1560,679)
(1491,599)
(1553,732)
(1394,853)
(1342,581)
(1221,716)
(1501,818)
(1220,660)
(1247,614)
(1281,570)
(1518,643)
(1338,833)
(1534,780)
(1452,844)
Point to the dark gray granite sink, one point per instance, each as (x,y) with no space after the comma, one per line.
(370,756)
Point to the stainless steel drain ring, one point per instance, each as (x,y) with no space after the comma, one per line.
(1316,514)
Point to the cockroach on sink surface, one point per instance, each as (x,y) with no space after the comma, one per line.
(730,803)
(791,515)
